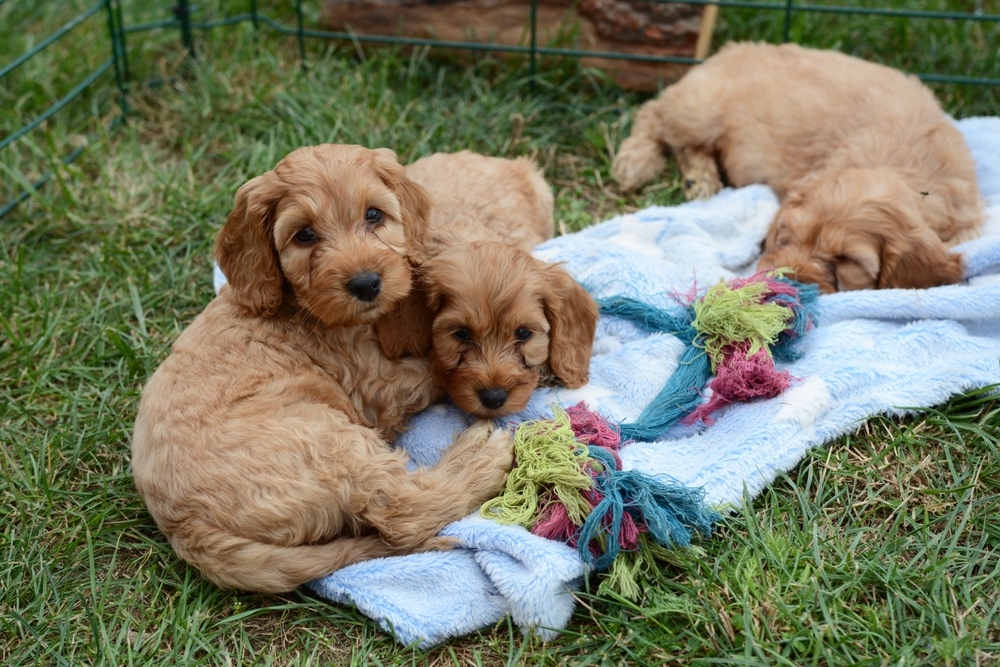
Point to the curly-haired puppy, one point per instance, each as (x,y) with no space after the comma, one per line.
(481,198)
(260,446)
(502,319)
(876,182)
(492,317)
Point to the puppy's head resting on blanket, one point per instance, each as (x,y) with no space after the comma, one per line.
(492,317)
(330,226)
(858,229)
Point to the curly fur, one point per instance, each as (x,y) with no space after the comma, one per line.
(478,275)
(876,182)
(261,443)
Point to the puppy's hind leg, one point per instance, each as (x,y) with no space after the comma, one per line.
(413,507)
(686,115)
(232,561)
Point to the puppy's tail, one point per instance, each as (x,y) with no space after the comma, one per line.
(641,158)
(230,561)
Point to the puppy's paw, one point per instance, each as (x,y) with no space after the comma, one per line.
(488,474)
(700,173)
(638,161)
(700,188)
(500,447)
(480,431)
(467,447)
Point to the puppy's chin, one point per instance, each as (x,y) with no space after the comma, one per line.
(336,308)
(463,388)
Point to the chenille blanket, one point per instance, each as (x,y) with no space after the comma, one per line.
(872,352)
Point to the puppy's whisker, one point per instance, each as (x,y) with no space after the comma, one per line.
(386,243)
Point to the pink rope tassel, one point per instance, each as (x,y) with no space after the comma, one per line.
(741,378)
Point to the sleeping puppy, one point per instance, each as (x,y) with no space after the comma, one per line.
(493,319)
(876,182)
(855,229)
(262,443)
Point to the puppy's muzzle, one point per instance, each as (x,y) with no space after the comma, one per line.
(365,286)
(492,398)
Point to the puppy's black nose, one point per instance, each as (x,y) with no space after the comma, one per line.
(365,286)
(493,397)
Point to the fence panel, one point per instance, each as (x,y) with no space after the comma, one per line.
(185,22)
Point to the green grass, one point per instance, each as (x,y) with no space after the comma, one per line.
(880,548)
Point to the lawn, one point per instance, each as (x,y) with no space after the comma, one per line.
(880,548)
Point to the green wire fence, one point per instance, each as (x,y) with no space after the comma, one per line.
(183,20)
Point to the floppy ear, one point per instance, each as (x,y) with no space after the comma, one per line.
(912,254)
(414,203)
(245,247)
(406,329)
(859,266)
(572,315)
(917,261)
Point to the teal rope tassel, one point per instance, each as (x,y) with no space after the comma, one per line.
(804,308)
(682,392)
(670,512)
(675,401)
(649,317)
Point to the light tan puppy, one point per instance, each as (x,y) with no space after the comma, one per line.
(876,182)
(481,198)
(261,444)
(493,318)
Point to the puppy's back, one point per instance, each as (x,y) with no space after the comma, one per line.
(480,198)
(777,112)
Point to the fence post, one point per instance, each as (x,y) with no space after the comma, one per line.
(121,40)
(253,15)
(117,50)
(788,18)
(183,13)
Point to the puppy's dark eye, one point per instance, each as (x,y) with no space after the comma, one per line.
(373,216)
(306,235)
(463,334)
(522,334)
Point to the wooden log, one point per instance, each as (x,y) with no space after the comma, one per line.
(646,28)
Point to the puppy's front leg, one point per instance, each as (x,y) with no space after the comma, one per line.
(414,507)
(640,158)
(700,172)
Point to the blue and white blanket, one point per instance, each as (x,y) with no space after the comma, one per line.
(874,352)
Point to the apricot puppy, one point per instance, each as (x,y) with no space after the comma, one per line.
(492,318)
(876,182)
(502,320)
(479,198)
(261,446)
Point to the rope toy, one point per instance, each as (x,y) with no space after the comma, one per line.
(568,483)
(736,330)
